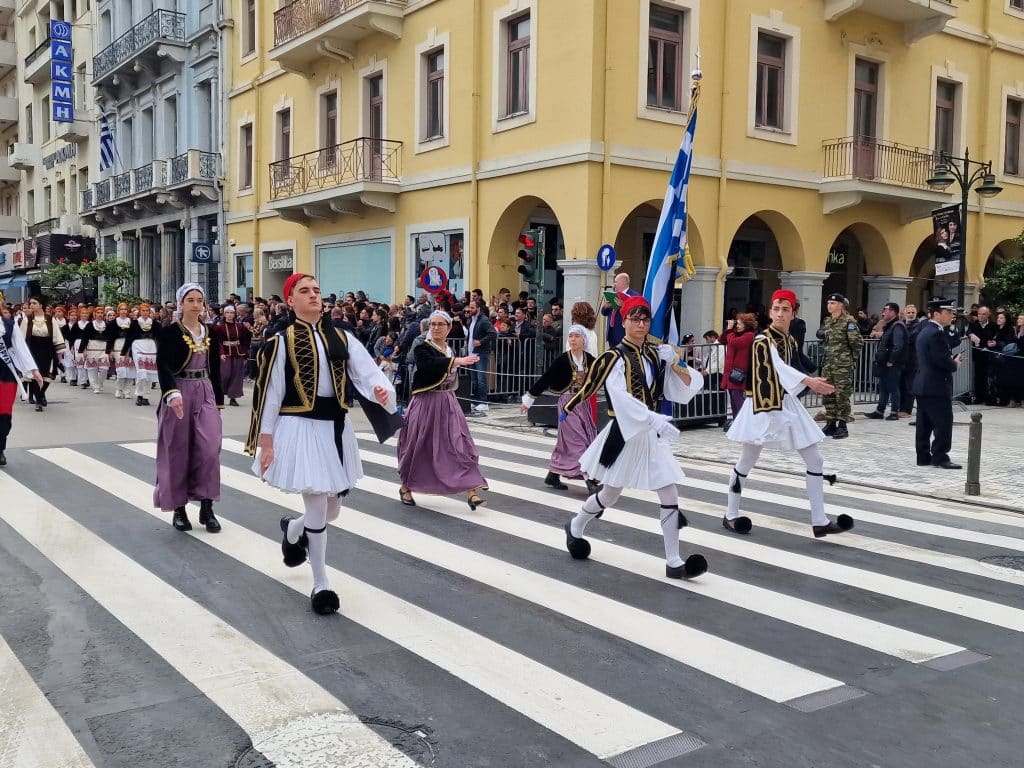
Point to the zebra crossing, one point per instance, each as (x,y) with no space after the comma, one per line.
(471,638)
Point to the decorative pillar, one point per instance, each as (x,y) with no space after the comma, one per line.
(697,302)
(807,287)
(168,280)
(583,282)
(885,288)
(145,266)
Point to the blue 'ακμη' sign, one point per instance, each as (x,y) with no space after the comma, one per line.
(63,113)
(60,30)
(60,72)
(60,50)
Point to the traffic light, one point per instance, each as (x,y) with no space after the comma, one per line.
(529,255)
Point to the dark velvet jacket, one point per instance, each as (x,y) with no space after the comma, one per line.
(173,354)
(432,368)
(558,378)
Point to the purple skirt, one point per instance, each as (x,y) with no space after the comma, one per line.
(575,434)
(436,453)
(232,371)
(188,450)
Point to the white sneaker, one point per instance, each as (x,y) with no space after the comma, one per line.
(481,407)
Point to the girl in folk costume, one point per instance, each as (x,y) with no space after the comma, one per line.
(117,348)
(140,346)
(70,332)
(772,416)
(578,429)
(189,426)
(634,449)
(46,344)
(234,352)
(84,321)
(16,361)
(436,453)
(61,321)
(92,343)
(299,428)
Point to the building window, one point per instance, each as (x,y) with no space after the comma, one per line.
(434,113)
(245,157)
(329,139)
(1017,5)
(517,76)
(47,203)
(249,28)
(1011,155)
(44,117)
(29,128)
(665,58)
(771,79)
(945,115)
(284,134)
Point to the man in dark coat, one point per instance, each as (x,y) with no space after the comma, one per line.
(933,386)
(891,357)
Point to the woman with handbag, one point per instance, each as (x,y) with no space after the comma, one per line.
(738,338)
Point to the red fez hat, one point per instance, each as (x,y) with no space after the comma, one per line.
(784,295)
(633,302)
(289,284)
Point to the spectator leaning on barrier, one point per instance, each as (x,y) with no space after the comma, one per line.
(913,323)
(841,344)
(890,359)
(982,333)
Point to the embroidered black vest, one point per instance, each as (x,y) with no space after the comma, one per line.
(766,389)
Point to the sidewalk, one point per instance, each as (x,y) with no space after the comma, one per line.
(877,454)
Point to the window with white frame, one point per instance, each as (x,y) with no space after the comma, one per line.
(1017,5)
(517,70)
(769,100)
(329,138)
(433,102)
(1012,137)
(665,58)
(946,93)
(245,156)
(249,27)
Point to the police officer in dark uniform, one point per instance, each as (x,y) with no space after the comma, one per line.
(933,386)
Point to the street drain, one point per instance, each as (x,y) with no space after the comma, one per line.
(341,741)
(1016,562)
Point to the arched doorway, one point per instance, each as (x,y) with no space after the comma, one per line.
(502,262)
(845,267)
(1004,251)
(924,284)
(755,262)
(635,241)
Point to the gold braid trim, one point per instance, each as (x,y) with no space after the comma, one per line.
(339,368)
(305,364)
(596,377)
(265,359)
(766,388)
(437,384)
(636,373)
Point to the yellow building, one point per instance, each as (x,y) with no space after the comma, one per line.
(371,138)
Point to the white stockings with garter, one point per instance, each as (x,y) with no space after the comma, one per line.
(320,510)
(814,480)
(608,495)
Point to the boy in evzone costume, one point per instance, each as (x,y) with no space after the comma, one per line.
(305,443)
(16,361)
(634,449)
(772,416)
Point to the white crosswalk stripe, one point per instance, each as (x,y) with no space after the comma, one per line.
(789,648)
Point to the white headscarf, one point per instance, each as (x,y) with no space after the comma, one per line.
(578,329)
(185,289)
(442,314)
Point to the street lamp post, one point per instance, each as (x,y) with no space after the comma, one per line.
(948,169)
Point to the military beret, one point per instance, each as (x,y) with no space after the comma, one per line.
(836,297)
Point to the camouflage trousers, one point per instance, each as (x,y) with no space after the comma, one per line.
(837,405)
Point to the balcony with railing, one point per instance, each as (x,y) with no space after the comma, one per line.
(343,178)
(306,30)
(37,64)
(43,227)
(8,56)
(861,168)
(159,35)
(919,18)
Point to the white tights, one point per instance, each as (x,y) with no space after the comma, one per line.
(814,481)
(609,494)
(321,509)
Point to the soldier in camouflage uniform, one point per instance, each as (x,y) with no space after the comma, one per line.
(841,342)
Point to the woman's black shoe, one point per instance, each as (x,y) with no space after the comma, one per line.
(138,400)
(3,459)
(207,518)
(39,408)
(180,520)
(552,481)
(232,401)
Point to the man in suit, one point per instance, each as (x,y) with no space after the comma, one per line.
(480,338)
(982,333)
(616,330)
(933,386)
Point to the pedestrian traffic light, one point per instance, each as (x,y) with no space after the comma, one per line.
(529,255)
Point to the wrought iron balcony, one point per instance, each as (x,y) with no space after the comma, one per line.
(43,227)
(37,63)
(920,18)
(862,168)
(303,28)
(102,190)
(160,28)
(86,201)
(327,181)
(194,166)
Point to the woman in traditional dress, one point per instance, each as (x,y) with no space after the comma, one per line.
(436,453)
(579,428)
(234,340)
(117,348)
(92,343)
(582,313)
(140,346)
(85,315)
(189,428)
(70,332)
(299,428)
(46,344)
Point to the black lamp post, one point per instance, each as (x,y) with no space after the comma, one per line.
(948,169)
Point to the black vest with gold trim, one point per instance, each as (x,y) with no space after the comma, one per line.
(765,387)
(632,357)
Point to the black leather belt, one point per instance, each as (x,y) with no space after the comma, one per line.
(192,374)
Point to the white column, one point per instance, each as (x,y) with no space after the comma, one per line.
(885,288)
(167,253)
(807,287)
(697,304)
(145,266)
(583,282)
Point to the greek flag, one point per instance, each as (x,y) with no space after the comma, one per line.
(670,243)
(106,145)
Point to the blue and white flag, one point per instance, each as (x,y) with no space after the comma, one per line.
(670,243)
(107,149)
